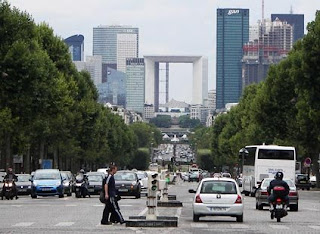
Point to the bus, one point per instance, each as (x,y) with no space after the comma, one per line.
(264,161)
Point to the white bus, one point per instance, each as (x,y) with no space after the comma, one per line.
(264,161)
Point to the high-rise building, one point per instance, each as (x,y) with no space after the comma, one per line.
(232,34)
(76,47)
(295,20)
(273,44)
(212,100)
(108,40)
(135,85)
(93,65)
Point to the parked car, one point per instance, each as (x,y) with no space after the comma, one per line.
(23,184)
(143,179)
(217,197)
(47,182)
(313,181)
(262,194)
(127,184)
(95,182)
(68,182)
(303,181)
(104,170)
(194,176)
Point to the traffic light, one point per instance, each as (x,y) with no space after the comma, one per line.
(154,182)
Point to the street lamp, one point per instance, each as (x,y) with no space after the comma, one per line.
(242,153)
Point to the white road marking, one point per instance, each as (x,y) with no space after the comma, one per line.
(311,209)
(282,227)
(179,210)
(239,226)
(71,205)
(315,227)
(98,205)
(23,224)
(199,225)
(143,212)
(125,205)
(64,224)
(16,205)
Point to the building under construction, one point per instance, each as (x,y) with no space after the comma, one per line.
(268,44)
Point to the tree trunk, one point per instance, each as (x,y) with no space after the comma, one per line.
(27,162)
(41,152)
(55,158)
(9,161)
(315,166)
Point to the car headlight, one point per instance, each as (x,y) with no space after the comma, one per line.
(65,183)
(134,182)
(58,183)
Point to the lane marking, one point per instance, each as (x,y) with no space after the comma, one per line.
(69,205)
(315,227)
(64,224)
(23,224)
(239,226)
(199,225)
(125,205)
(142,212)
(179,210)
(282,227)
(16,205)
(98,205)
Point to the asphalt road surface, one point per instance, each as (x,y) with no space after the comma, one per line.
(71,215)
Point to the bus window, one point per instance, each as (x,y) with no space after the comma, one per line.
(249,160)
(276,154)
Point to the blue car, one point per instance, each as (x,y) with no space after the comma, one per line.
(47,182)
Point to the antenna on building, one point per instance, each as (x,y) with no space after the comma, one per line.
(291,10)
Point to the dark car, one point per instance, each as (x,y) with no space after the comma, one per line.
(95,182)
(23,184)
(67,182)
(127,184)
(262,194)
(2,175)
(303,181)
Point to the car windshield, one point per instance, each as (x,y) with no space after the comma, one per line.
(95,178)
(47,176)
(222,187)
(302,177)
(141,175)
(23,178)
(64,175)
(125,176)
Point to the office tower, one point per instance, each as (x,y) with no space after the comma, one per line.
(212,100)
(76,47)
(135,84)
(232,34)
(273,44)
(109,40)
(113,91)
(295,20)
(93,65)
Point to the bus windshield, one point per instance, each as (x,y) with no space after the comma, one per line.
(275,154)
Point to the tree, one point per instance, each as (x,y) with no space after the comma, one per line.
(161,121)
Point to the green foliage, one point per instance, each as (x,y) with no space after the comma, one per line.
(146,134)
(186,122)
(140,159)
(161,121)
(205,160)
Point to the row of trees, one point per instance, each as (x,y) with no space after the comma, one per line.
(48,110)
(284,109)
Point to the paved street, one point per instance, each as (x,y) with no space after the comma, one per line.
(71,215)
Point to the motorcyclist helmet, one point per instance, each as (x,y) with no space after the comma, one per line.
(82,171)
(9,170)
(279,175)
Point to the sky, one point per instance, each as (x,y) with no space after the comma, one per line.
(166,27)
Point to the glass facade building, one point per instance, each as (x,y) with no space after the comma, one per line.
(295,20)
(76,47)
(232,34)
(105,41)
(113,91)
(135,85)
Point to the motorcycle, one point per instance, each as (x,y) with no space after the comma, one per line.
(8,189)
(81,187)
(279,206)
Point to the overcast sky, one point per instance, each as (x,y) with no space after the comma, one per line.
(167,27)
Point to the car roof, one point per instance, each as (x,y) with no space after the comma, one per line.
(47,170)
(218,179)
(95,173)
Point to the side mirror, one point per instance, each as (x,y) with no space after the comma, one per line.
(31,179)
(192,191)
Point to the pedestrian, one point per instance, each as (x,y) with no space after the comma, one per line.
(110,193)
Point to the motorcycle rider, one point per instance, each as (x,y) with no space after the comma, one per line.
(10,176)
(278,181)
(81,176)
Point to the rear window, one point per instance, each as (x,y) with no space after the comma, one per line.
(276,154)
(47,176)
(222,187)
(125,176)
(95,178)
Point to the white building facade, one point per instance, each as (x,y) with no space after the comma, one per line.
(127,47)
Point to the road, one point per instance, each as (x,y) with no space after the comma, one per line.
(71,215)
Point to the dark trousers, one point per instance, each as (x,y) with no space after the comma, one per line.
(113,208)
(272,198)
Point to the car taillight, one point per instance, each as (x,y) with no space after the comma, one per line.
(264,193)
(279,200)
(239,200)
(198,199)
(293,194)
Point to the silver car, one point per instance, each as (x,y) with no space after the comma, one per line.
(217,197)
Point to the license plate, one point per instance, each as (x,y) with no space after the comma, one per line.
(77,189)
(123,190)
(91,190)
(46,189)
(302,182)
(22,190)
(217,208)
(279,206)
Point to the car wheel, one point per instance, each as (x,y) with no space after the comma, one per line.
(33,196)
(69,194)
(61,195)
(260,207)
(308,188)
(294,207)
(240,218)
(196,218)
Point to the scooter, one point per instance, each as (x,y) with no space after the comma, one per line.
(8,189)
(279,206)
(81,187)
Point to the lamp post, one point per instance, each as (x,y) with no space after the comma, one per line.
(242,153)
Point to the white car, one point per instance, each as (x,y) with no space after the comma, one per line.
(217,197)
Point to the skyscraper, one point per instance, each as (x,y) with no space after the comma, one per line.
(109,40)
(295,20)
(93,65)
(232,34)
(135,84)
(76,47)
